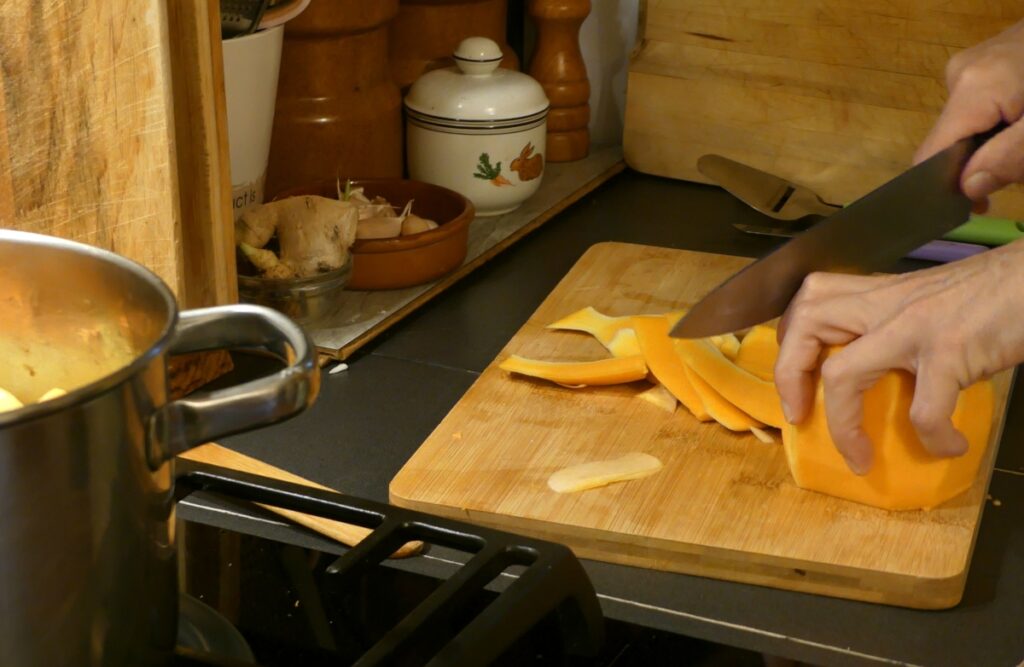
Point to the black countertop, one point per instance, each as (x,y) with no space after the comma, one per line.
(372,417)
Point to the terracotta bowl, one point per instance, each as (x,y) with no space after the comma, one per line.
(410,260)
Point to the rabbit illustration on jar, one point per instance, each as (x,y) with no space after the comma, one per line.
(528,165)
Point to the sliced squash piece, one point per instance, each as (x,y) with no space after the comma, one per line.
(8,401)
(624,343)
(758,352)
(728,344)
(634,465)
(746,391)
(904,476)
(615,370)
(665,364)
(614,333)
(721,410)
(590,320)
(660,396)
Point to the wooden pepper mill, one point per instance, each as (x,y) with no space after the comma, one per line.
(558,65)
(426,32)
(338,112)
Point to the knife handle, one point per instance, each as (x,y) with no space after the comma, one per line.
(946,251)
(982,137)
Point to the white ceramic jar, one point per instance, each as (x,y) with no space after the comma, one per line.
(478,129)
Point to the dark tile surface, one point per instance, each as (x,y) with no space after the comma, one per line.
(363,427)
(371,418)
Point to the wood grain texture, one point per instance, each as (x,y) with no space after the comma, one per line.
(836,96)
(94,95)
(557,63)
(201,147)
(724,505)
(214,454)
(86,136)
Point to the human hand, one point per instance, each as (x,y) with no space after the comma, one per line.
(986,86)
(950,326)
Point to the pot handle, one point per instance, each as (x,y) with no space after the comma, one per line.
(187,422)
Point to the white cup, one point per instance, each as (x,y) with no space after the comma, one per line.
(251,65)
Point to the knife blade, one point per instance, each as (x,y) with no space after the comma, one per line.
(917,206)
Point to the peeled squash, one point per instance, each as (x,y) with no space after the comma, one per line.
(616,370)
(615,333)
(758,351)
(904,476)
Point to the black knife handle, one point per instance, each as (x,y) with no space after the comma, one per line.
(982,138)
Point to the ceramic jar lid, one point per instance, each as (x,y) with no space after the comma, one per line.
(476,93)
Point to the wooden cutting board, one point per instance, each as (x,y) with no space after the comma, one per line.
(113,133)
(833,95)
(723,506)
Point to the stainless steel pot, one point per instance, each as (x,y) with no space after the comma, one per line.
(87,548)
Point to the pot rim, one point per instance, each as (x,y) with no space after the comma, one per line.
(91,390)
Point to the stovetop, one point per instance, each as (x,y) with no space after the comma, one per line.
(253,601)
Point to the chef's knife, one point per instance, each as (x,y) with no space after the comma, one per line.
(917,206)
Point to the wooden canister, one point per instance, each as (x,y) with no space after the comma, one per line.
(338,112)
(557,64)
(426,33)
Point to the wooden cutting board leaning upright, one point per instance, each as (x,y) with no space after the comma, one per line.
(832,95)
(723,506)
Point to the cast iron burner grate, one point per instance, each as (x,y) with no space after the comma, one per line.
(551,581)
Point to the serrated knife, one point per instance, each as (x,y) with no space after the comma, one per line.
(869,235)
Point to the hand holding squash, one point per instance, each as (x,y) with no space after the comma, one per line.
(949,326)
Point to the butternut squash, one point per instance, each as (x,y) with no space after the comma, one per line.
(665,365)
(721,410)
(904,475)
(758,352)
(615,370)
(749,393)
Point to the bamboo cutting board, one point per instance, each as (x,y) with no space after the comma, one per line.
(723,506)
(834,95)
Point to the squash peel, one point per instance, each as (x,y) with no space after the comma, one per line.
(615,370)
(667,368)
(746,391)
(721,410)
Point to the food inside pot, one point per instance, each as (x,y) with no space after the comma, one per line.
(307,235)
(40,370)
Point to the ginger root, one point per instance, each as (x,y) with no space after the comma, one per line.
(314,234)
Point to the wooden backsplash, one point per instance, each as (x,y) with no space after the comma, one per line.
(833,94)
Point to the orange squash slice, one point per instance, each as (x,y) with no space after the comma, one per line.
(904,476)
(615,333)
(615,370)
(758,352)
(665,365)
(721,410)
(749,393)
